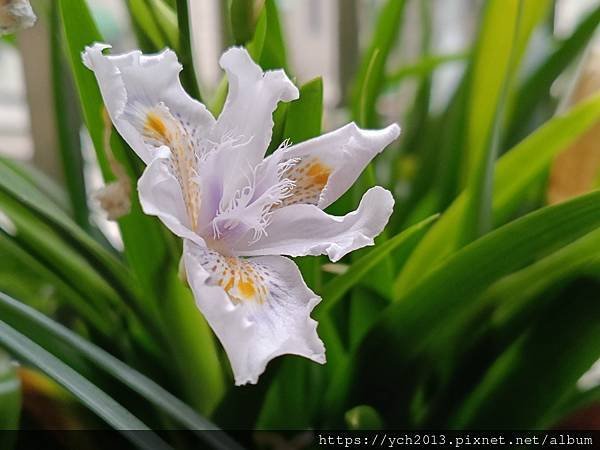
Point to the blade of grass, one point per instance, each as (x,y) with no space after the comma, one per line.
(150,262)
(137,229)
(525,383)
(68,123)
(536,88)
(19,188)
(135,380)
(424,66)
(514,173)
(188,73)
(273,53)
(10,400)
(144,22)
(241,15)
(335,290)
(10,249)
(87,393)
(407,328)
(493,64)
(373,62)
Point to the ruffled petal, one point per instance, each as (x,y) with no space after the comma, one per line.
(161,195)
(301,229)
(132,84)
(259,308)
(328,165)
(247,115)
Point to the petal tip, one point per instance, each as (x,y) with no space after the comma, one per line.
(92,51)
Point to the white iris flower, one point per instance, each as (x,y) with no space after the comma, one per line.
(209,182)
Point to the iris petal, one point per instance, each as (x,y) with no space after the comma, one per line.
(259,308)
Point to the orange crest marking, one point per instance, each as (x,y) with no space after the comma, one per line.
(155,125)
(310,176)
(240,280)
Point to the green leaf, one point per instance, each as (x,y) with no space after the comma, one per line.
(38,180)
(68,294)
(137,229)
(373,63)
(305,115)
(68,123)
(335,290)
(138,382)
(503,35)
(10,400)
(186,56)
(424,66)
(194,350)
(48,246)
(241,15)
(532,376)
(18,187)
(520,295)
(166,18)
(87,393)
(410,326)
(303,121)
(144,21)
(535,89)
(267,46)
(514,173)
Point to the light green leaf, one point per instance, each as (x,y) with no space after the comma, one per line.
(144,20)
(503,36)
(424,66)
(268,46)
(137,229)
(77,301)
(374,61)
(167,21)
(33,198)
(514,173)
(363,417)
(68,123)
(536,88)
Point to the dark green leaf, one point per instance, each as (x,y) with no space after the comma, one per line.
(407,328)
(532,376)
(139,383)
(87,393)
(10,400)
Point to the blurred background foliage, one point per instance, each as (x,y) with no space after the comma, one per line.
(477,308)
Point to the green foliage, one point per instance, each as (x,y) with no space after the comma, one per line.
(10,398)
(456,318)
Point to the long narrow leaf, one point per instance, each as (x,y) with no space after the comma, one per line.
(514,173)
(138,382)
(408,327)
(89,394)
(10,399)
